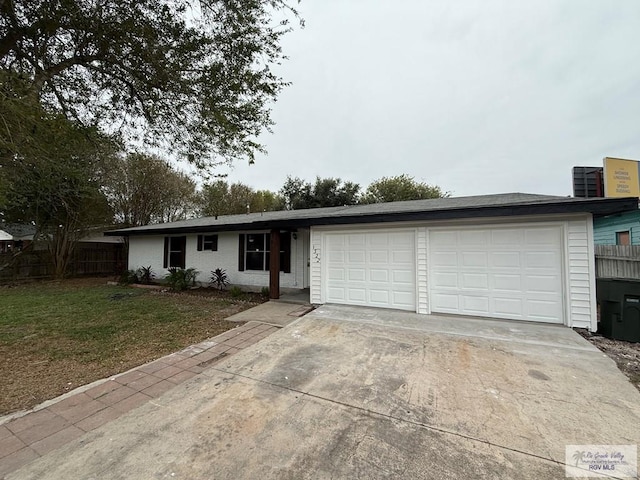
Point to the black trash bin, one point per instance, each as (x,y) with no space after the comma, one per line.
(619,302)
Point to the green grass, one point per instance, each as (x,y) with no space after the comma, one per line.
(73,332)
(96,319)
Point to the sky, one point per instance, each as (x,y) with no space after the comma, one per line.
(475,96)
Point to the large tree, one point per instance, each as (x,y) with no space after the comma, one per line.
(398,188)
(325,192)
(220,198)
(57,189)
(143,189)
(192,75)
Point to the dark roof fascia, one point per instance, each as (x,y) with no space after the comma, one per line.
(597,207)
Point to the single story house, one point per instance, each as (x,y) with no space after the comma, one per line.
(617,229)
(15,237)
(515,256)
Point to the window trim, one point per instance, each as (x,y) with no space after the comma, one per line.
(624,234)
(204,239)
(175,244)
(285,251)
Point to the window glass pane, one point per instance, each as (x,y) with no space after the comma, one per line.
(623,238)
(175,259)
(255,261)
(255,242)
(210,242)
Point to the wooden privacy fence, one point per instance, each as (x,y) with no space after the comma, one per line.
(88,259)
(618,261)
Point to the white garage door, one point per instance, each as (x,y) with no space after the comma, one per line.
(374,269)
(511,273)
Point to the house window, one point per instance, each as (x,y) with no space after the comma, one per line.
(623,238)
(208,242)
(174,252)
(255,251)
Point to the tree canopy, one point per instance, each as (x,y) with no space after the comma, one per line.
(399,188)
(58,190)
(325,192)
(220,198)
(143,189)
(194,76)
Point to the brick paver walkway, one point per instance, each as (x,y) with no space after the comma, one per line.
(28,437)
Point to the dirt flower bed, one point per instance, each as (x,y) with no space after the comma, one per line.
(625,354)
(56,336)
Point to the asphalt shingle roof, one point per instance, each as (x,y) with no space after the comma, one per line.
(438,208)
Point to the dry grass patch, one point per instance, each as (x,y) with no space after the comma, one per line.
(56,336)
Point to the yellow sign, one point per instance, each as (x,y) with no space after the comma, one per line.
(621,178)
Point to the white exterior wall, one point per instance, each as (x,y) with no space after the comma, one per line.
(581,279)
(578,268)
(315,267)
(422,277)
(149,250)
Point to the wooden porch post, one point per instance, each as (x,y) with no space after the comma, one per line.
(274,265)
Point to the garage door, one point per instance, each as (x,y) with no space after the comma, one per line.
(513,273)
(374,269)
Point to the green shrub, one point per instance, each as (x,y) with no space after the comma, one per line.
(180,278)
(145,275)
(219,278)
(265,292)
(236,292)
(128,277)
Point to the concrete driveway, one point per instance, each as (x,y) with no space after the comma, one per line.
(362,393)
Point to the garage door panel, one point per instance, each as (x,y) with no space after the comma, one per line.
(335,256)
(541,310)
(354,240)
(380,257)
(507,282)
(443,239)
(357,275)
(335,274)
(547,260)
(379,266)
(517,273)
(474,237)
(406,277)
(509,307)
(376,275)
(446,279)
(505,259)
(507,237)
(338,294)
(357,295)
(474,259)
(403,257)
(475,280)
(378,297)
(444,259)
(445,302)
(404,298)
(542,284)
(355,256)
(542,236)
(475,305)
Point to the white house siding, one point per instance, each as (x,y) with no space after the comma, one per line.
(421,270)
(149,250)
(581,277)
(315,260)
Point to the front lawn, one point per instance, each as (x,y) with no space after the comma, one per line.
(56,336)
